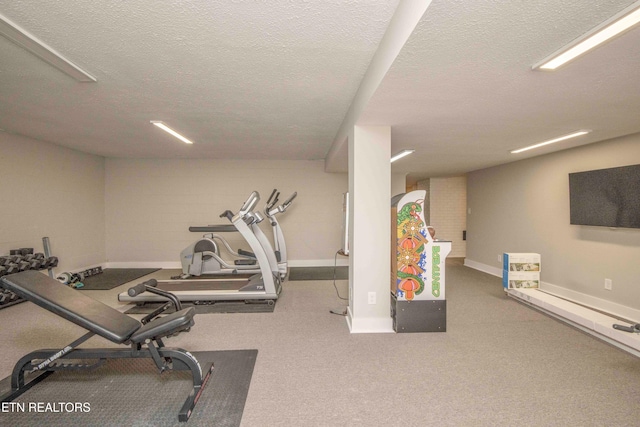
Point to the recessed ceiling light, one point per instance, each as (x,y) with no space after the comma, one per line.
(401,154)
(551,141)
(22,38)
(167,129)
(603,32)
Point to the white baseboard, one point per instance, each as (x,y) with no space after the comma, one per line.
(369,325)
(143,264)
(595,303)
(494,271)
(341,261)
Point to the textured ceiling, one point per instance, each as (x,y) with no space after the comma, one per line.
(243,79)
(462,92)
(274,79)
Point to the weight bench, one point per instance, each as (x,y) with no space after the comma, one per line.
(144,340)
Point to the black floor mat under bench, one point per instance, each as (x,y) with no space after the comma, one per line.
(131,392)
(113,277)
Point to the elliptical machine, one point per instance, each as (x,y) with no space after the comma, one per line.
(280,247)
(203,257)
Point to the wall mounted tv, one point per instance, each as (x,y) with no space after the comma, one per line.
(606,197)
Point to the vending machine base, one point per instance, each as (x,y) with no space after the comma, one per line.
(419,316)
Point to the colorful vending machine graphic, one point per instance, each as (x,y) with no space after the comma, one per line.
(420,260)
(417,267)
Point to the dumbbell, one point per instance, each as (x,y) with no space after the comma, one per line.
(15,259)
(21,251)
(12,268)
(7,296)
(50,262)
(35,264)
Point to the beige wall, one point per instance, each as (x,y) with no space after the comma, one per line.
(445,209)
(448,206)
(152,203)
(524,207)
(54,192)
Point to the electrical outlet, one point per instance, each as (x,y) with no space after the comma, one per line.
(499,257)
(607,284)
(372,297)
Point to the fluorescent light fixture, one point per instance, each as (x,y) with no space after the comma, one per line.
(401,154)
(603,32)
(551,141)
(22,38)
(167,129)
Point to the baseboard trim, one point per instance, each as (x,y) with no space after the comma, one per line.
(369,325)
(494,271)
(143,264)
(599,304)
(340,261)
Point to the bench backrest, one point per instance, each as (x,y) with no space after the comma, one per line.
(72,305)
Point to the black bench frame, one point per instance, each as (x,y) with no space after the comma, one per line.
(145,340)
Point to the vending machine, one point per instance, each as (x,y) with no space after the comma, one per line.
(418,302)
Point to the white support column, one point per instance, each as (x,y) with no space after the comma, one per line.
(369,229)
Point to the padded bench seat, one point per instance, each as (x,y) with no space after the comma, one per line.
(98,318)
(93,315)
(72,305)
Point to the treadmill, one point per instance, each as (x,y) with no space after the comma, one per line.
(204,257)
(262,287)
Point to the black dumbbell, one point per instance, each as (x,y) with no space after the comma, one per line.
(35,264)
(7,296)
(12,268)
(51,262)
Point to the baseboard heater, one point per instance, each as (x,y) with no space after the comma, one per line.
(591,321)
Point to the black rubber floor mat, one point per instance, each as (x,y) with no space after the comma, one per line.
(131,392)
(218,307)
(318,273)
(113,277)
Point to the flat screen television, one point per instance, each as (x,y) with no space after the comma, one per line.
(606,197)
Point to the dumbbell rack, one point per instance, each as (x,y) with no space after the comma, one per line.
(20,260)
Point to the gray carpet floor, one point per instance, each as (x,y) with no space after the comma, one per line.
(500,363)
